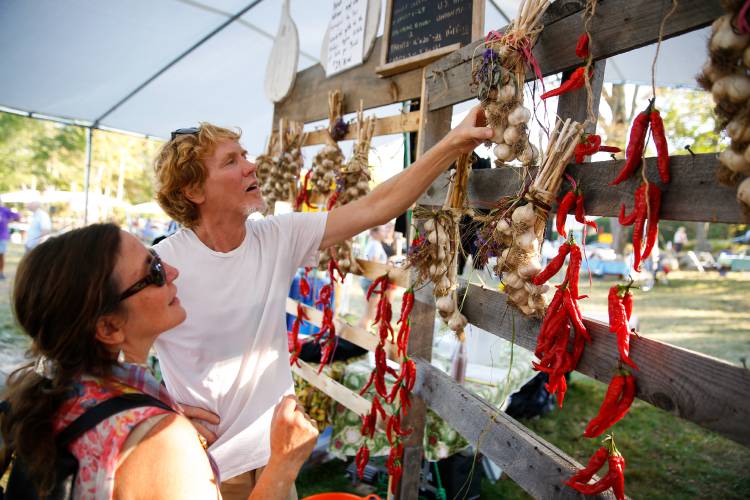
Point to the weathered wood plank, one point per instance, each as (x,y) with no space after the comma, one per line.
(434,125)
(308,100)
(707,391)
(693,195)
(333,389)
(406,122)
(618,27)
(534,464)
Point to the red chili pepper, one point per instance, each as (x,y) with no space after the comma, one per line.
(302,196)
(574,269)
(363,456)
(375,284)
(627,302)
(654,207)
(636,143)
(587,146)
(614,478)
(609,149)
(581,212)
(407,303)
(576,81)
(332,200)
(333,268)
(618,324)
(553,266)
(662,148)
(595,463)
(304,287)
(324,295)
(617,401)
(571,306)
(582,47)
(640,220)
(566,205)
(627,220)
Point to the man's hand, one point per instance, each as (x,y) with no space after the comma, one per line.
(195,415)
(293,434)
(470,133)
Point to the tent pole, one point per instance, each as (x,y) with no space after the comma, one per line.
(89,139)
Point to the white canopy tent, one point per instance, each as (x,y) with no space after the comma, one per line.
(152,67)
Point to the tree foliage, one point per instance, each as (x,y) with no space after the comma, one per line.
(44,155)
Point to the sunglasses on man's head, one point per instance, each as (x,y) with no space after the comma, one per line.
(156,276)
(184,131)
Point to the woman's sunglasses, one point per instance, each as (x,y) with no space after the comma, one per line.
(156,276)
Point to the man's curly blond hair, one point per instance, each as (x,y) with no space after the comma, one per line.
(179,167)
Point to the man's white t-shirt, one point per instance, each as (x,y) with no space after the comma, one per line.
(230,356)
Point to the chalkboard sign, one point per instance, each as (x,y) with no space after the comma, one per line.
(420,31)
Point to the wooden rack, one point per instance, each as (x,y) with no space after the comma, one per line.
(704,390)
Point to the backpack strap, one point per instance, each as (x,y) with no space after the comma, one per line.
(104,410)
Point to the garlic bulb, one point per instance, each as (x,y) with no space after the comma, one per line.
(739,130)
(445,304)
(734,161)
(511,135)
(529,154)
(498,136)
(507,93)
(519,115)
(457,322)
(503,152)
(429,225)
(524,214)
(734,87)
(725,37)
(530,269)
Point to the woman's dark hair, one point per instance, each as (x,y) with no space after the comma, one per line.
(62,287)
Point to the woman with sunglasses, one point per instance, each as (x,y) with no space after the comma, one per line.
(93,301)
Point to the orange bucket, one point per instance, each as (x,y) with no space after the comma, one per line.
(340,496)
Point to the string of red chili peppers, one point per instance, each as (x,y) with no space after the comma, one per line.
(647,198)
(401,388)
(614,478)
(326,335)
(295,346)
(554,334)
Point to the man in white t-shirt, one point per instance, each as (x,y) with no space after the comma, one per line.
(231,356)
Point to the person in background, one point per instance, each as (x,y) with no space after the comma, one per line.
(40,225)
(374,252)
(6,215)
(680,239)
(92,322)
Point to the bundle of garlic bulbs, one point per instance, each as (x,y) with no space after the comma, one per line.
(281,176)
(266,162)
(514,232)
(353,183)
(327,163)
(499,79)
(436,256)
(726,76)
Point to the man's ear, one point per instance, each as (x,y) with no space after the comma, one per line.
(109,330)
(194,194)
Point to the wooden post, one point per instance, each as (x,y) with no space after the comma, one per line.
(433,125)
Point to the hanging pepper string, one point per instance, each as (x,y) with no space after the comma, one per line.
(658,47)
(588,15)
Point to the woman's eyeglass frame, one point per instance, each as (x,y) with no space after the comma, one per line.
(157,275)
